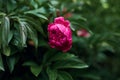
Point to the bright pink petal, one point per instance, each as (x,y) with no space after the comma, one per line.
(60,34)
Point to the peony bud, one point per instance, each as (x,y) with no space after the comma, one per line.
(83,33)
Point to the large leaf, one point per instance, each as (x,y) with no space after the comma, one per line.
(52,73)
(36,14)
(71,63)
(1,63)
(11,61)
(23,32)
(35,24)
(62,75)
(5,35)
(0,37)
(17,37)
(10,36)
(38,10)
(5,31)
(62,56)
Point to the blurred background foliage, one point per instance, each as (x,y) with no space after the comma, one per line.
(25,53)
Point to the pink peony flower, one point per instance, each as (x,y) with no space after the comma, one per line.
(60,35)
(83,33)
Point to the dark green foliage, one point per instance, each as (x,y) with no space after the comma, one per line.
(26,55)
(24,50)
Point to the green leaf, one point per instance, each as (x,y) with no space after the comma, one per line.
(7,51)
(52,73)
(62,56)
(92,76)
(62,75)
(10,36)
(36,70)
(35,24)
(38,10)
(0,37)
(32,3)
(17,39)
(23,33)
(71,63)
(1,63)
(11,61)
(28,32)
(29,63)
(11,4)
(5,31)
(37,14)
(41,16)
(2,14)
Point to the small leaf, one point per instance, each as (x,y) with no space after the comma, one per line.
(7,51)
(52,74)
(1,63)
(29,63)
(62,75)
(10,36)
(36,70)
